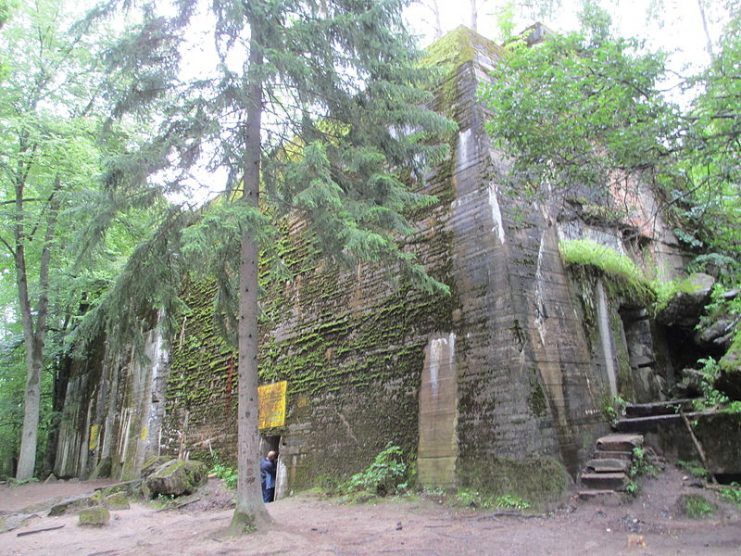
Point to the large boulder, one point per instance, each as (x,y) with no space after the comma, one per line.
(152,464)
(176,478)
(686,306)
(97,516)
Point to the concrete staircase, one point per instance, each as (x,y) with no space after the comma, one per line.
(606,474)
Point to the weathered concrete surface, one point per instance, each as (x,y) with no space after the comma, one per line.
(500,385)
(438,408)
(113,411)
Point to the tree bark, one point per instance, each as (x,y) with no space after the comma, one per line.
(250,511)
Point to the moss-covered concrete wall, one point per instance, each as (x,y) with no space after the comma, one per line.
(525,361)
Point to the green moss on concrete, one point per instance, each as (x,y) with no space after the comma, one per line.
(623,277)
(536,400)
(539,480)
(458,47)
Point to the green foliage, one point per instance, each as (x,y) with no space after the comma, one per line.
(731,493)
(229,475)
(468,498)
(640,466)
(387,474)
(696,506)
(585,111)
(510,501)
(694,468)
(619,268)
(612,408)
(665,291)
(711,397)
(579,106)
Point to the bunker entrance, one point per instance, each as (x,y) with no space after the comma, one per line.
(273,443)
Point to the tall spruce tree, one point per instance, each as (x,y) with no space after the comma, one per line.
(314,108)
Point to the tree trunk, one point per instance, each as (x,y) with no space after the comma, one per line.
(250,511)
(474,16)
(31,409)
(708,39)
(33,336)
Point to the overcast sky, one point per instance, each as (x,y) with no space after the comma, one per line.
(676,28)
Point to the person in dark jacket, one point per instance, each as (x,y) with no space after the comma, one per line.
(268,470)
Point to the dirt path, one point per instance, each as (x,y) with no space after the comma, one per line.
(306,525)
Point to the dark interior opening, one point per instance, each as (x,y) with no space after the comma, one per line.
(728,478)
(683,351)
(268,443)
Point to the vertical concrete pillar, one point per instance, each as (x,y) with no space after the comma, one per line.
(438,414)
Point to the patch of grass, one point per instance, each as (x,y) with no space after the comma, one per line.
(468,498)
(694,469)
(620,268)
(695,506)
(665,291)
(510,501)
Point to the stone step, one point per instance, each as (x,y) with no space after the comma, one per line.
(595,493)
(665,407)
(608,465)
(619,442)
(608,454)
(604,481)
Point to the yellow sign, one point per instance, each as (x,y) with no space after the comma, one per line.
(271,399)
(93,442)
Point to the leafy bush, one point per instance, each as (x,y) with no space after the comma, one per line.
(612,408)
(386,475)
(229,475)
(731,493)
(710,396)
(639,467)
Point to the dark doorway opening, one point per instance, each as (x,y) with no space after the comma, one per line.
(272,443)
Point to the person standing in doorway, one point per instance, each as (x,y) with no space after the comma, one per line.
(268,470)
